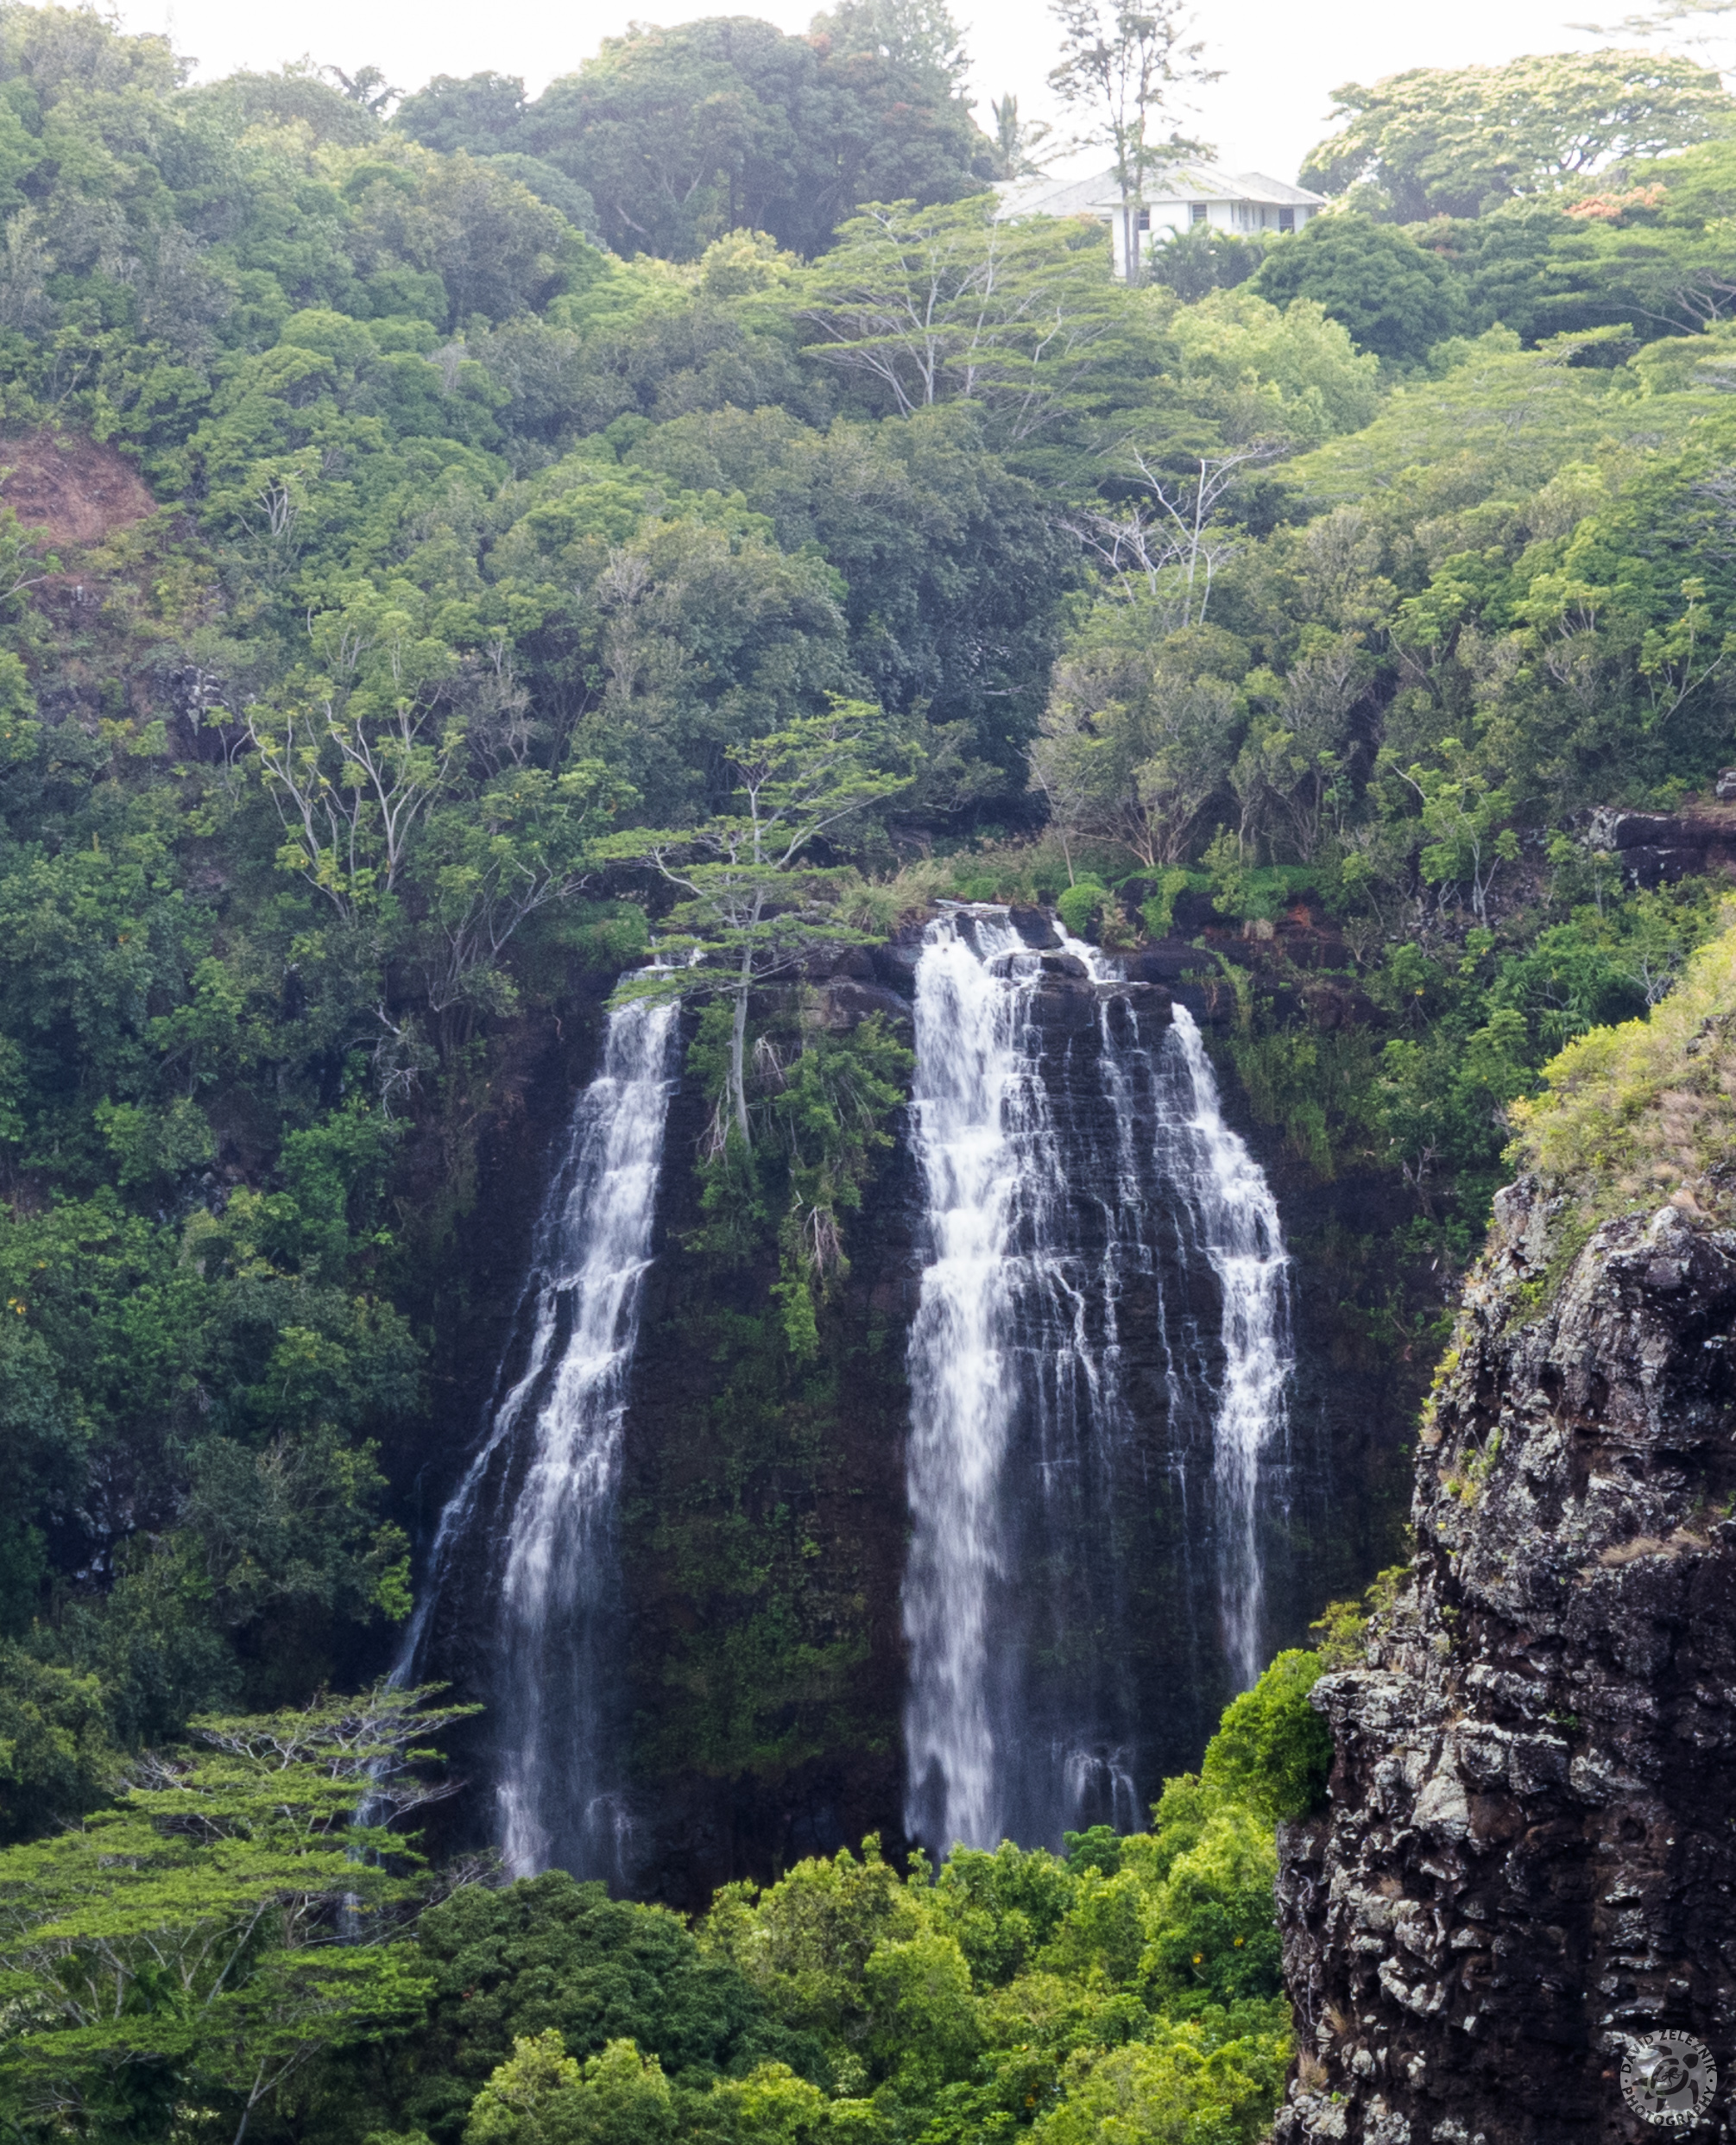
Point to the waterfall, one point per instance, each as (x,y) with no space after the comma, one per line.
(538,1500)
(1097,1368)
(971,1107)
(1240,1235)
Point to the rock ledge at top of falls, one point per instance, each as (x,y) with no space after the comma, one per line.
(1067,994)
(1528,1860)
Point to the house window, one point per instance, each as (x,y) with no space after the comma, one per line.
(1145,219)
(1196,212)
(1286,219)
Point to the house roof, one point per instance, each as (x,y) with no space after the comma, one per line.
(1043,196)
(1176,182)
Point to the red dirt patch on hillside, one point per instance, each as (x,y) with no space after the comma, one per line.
(70,488)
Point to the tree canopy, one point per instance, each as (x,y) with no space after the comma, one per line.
(1396,297)
(1444,141)
(222,1929)
(680,135)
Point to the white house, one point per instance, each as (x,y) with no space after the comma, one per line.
(1177,197)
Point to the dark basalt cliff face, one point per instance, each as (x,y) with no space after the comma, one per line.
(1660,848)
(762,1534)
(765,1512)
(764,1518)
(1529,1854)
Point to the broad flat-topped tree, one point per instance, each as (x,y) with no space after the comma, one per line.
(226,1923)
(1457,141)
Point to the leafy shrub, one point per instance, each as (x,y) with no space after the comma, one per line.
(1157,912)
(540,2096)
(1273,1750)
(1396,299)
(551,1956)
(1213,1936)
(1003,1908)
(1099,1848)
(57,1758)
(1081,904)
(1181,2087)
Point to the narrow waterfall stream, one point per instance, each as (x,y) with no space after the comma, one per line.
(1240,1235)
(538,1501)
(1097,1365)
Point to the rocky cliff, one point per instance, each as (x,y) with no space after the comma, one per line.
(1528,1863)
(1660,848)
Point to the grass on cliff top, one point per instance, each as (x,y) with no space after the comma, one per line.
(1645,1113)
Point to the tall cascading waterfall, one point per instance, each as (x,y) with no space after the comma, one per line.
(534,1514)
(1097,1368)
(973,1098)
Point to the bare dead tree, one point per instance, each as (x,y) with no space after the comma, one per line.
(1172,539)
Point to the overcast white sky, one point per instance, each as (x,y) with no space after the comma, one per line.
(1281,57)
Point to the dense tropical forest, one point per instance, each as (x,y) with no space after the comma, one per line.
(460,543)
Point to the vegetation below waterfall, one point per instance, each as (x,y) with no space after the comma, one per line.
(437,539)
(1012,1991)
